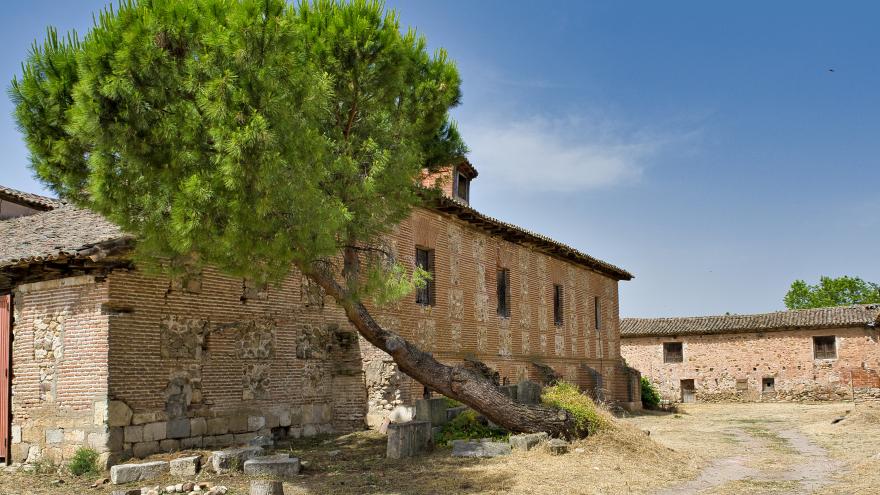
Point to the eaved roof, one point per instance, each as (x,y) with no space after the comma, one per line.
(838,316)
(68,231)
(64,232)
(34,201)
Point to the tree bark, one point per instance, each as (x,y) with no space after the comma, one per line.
(459,382)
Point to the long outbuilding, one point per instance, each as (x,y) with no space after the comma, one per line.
(811,354)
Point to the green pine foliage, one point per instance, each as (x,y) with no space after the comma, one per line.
(841,291)
(650,394)
(252,135)
(587,416)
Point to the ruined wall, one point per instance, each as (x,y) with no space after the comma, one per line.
(731,367)
(465,323)
(59,379)
(209,360)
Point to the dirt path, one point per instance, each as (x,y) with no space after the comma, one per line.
(758,448)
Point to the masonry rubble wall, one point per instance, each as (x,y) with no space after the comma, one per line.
(59,378)
(731,367)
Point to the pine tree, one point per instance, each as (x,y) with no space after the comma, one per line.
(257,136)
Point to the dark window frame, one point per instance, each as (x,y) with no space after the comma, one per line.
(462,187)
(671,356)
(768,384)
(824,347)
(597,312)
(426,296)
(558,305)
(502,291)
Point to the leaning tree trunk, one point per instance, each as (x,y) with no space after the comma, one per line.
(460,382)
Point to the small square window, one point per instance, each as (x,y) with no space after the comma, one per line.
(673,352)
(825,347)
(503,292)
(742,384)
(557,305)
(768,384)
(425,260)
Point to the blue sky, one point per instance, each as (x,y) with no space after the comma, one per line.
(704,146)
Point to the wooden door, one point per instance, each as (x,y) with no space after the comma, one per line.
(5,373)
(688,391)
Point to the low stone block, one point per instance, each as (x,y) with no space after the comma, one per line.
(266,487)
(409,439)
(16,433)
(127,473)
(155,431)
(479,448)
(186,466)
(433,410)
(218,441)
(558,446)
(272,466)
(527,441)
(169,445)
(224,461)
(238,424)
(177,428)
(74,436)
(284,418)
(191,443)
(528,392)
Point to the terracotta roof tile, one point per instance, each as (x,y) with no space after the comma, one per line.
(839,316)
(29,199)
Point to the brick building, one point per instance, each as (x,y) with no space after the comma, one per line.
(130,363)
(810,354)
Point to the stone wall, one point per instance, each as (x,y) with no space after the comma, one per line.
(731,367)
(59,379)
(215,361)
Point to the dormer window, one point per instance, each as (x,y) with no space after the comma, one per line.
(462,187)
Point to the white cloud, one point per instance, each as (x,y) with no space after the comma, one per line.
(565,155)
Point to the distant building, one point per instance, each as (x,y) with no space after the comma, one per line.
(810,354)
(128,363)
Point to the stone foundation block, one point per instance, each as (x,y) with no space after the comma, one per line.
(409,439)
(284,418)
(127,473)
(118,413)
(558,446)
(218,441)
(191,443)
(186,466)
(255,423)
(169,445)
(54,436)
(433,410)
(198,427)
(266,487)
(224,461)
(217,426)
(144,449)
(527,441)
(178,428)
(238,424)
(479,448)
(155,431)
(528,392)
(279,466)
(133,434)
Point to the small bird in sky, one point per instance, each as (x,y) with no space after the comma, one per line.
(830,70)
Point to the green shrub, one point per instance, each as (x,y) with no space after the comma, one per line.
(450,403)
(84,461)
(650,395)
(587,416)
(468,425)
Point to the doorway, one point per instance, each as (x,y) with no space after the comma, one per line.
(5,373)
(688,391)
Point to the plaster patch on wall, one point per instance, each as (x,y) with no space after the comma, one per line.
(426,334)
(315,380)
(455,331)
(311,294)
(543,344)
(456,304)
(559,340)
(314,341)
(525,312)
(256,340)
(504,339)
(48,351)
(482,343)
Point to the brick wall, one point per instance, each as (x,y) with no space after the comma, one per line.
(717,363)
(59,359)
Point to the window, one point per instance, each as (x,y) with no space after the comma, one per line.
(768,384)
(425,260)
(825,347)
(742,384)
(672,352)
(598,312)
(503,292)
(463,187)
(557,305)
